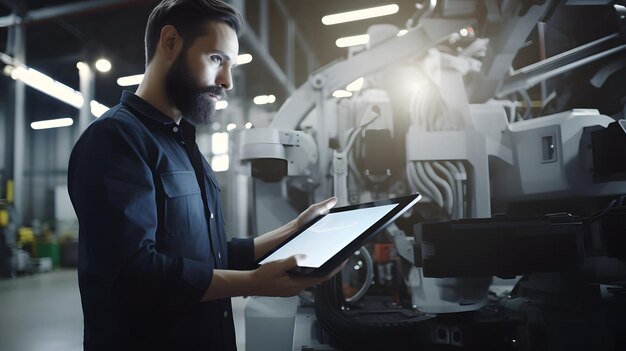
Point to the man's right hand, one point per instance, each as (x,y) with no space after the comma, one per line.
(270,279)
(273,278)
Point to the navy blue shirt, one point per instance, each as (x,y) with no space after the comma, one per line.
(151,233)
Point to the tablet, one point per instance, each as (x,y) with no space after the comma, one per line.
(330,239)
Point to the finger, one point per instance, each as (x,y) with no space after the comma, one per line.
(327,204)
(292,261)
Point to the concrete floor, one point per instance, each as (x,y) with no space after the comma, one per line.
(43,313)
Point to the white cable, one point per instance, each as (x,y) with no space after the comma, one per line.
(452,185)
(458,185)
(421,173)
(443,186)
(415,182)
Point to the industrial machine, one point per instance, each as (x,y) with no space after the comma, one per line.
(508,117)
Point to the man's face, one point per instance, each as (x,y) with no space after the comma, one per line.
(200,74)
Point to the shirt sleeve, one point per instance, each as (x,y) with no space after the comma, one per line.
(113,192)
(241,254)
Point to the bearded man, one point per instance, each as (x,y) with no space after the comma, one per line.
(155,269)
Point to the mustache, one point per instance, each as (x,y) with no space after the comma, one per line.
(214,90)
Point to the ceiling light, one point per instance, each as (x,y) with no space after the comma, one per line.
(352,41)
(103,65)
(264,99)
(45,84)
(356,85)
(342,94)
(243,59)
(231,126)
(220,105)
(130,80)
(357,15)
(464,32)
(57,90)
(52,123)
(81,66)
(97,109)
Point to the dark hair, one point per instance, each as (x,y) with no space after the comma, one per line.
(188,17)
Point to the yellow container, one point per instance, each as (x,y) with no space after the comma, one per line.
(4,218)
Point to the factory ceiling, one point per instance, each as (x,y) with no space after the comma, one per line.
(59,33)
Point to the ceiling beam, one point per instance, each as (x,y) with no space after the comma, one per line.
(60,11)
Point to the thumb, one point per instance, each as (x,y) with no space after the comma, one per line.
(327,204)
(291,262)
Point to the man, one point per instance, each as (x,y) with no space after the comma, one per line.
(155,270)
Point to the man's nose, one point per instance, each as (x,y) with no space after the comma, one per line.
(224,79)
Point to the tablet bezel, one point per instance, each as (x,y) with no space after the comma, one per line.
(404,203)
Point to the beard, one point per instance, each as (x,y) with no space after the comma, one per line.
(189,98)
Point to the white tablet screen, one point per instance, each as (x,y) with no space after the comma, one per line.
(329,235)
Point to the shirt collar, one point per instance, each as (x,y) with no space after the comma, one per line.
(140,105)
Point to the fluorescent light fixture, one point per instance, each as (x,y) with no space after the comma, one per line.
(52,123)
(264,99)
(81,66)
(103,65)
(402,32)
(130,80)
(353,40)
(248,125)
(57,90)
(47,85)
(357,15)
(356,85)
(221,104)
(243,59)
(231,126)
(342,94)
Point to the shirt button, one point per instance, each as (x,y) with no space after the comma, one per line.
(225,314)
(211,215)
(219,255)
(175,129)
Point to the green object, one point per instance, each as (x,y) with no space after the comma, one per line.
(52,250)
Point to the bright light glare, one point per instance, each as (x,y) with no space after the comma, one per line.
(357,15)
(220,163)
(231,126)
(130,80)
(97,109)
(52,123)
(352,41)
(47,85)
(264,99)
(341,94)
(402,32)
(103,65)
(57,90)
(220,105)
(356,85)
(248,125)
(219,143)
(243,59)
(81,66)
(464,32)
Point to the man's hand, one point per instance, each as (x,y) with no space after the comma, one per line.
(272,279)
(315,210)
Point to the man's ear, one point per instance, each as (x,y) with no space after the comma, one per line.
(170,42)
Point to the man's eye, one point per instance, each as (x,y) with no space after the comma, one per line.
(216,59)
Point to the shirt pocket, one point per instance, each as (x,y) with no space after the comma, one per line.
(183,210)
